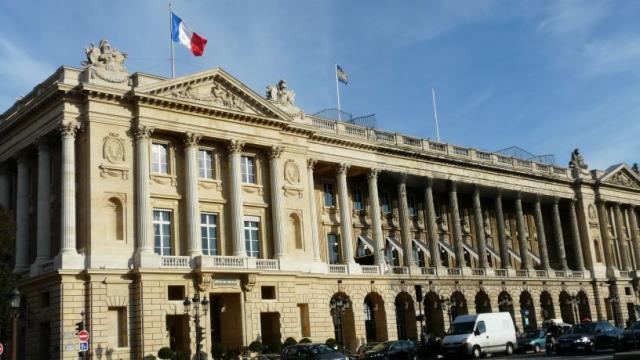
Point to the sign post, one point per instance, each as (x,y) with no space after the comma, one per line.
(83,336)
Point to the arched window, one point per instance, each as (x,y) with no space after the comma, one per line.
(114,219)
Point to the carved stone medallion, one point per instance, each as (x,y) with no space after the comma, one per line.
(113,149)
(592,212)
(291,172)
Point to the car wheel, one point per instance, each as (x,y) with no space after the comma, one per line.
(476,353)
(536,348)
(509,350)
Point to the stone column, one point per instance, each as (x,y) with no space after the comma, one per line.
(635,239)
(622,238)
(191,197)
(542,239)
(4,187)
(69,257)
(345,214)
(311,163)
(376,223)
(575,236)
(405,227)
(525,263)
(44,203)
(143,214)
(480,236)
(235,193)
(277,207)
(456,230)
(432,227)
(557,232)
(502,236)
(22,214)
(604,230)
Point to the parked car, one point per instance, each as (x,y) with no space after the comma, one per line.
(392,350)
(590,337)
(361,352)
(431,346)
(311,351)
(631,336)
(480,334)
(535,340)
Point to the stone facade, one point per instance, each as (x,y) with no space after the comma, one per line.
(113,180)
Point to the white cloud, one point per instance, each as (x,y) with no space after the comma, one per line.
(613,55)
(573,17)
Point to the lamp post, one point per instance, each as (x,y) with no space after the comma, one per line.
(339,305)
(14,303)
(192,308)
(574,301)
(614,300)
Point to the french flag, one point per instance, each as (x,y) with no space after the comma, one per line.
(182,34)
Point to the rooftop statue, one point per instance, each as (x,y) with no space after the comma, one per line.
(282,96)
(577,161)
(635,168)
(106,63)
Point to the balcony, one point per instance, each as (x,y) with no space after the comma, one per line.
(175,262)
(370,269)
(338,269)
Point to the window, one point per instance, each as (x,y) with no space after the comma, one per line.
(248,166)
(418,255)
(159,158)
(305,324)
(329,195)
(357,199)
(205,164)
(385,204)
(391,255)
(362,249)
(333,243)
(481,328)
(175,292)
(117,323)
(209,233)
(252,235)
(268,292)
(411,204)
(162,231)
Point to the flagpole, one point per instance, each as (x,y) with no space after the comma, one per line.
(435,113)
(173,63)
(338,92)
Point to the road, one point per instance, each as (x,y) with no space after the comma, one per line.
(602,355)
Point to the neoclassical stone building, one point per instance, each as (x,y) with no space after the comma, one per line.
(131,192)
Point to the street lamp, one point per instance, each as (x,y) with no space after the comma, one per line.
(14,312)
(614,300)
(196,305)
(339,305)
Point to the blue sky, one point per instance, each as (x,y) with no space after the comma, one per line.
(547,76)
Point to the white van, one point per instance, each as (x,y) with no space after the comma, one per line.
(480,334)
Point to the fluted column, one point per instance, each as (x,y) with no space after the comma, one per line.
(194,241)
(311,163)
(604,230)
(376,223)
(635,238)
(525,262)
(4,187)
(480,237)
(143,214)
(502,235)
(432,227)
(456,230)
(542,238)
(44,203)
(22,214)
(622,238)
(237,213)
(557,232)
(405,227)
(345,214)
(277,210)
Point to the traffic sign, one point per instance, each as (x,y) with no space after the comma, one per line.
(84,346)
(1,349)
(83,336)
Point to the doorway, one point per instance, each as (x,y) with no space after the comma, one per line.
(178,329)
(270,327)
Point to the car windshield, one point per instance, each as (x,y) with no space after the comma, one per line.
(582,329)
(461,328)
(319,349)
(531,334)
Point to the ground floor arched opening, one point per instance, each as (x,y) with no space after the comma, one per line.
(505,304)
(584,310)
(566,308)
(434,318)
(483,303)
(546,304)
(343,321)
(528,311)
(458,305)
(375,318)
(405,317)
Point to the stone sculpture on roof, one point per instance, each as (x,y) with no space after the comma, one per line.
(105,63)
(282,96)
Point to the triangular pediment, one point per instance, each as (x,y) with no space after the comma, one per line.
(621,175)
(214,88)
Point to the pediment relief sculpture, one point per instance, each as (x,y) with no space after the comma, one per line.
(213,94)
(623,179)
(106,63)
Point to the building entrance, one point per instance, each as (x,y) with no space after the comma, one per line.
(226,309)
(178,329)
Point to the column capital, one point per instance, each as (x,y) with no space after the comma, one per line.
(44,142)
(499,192)
(476,189)
(343,168)
(235,146)
(616,205)
(429,181)
(191,138)
(311,163)
(518,195)
(403,177)
(142,132)
(452,185)
(373,174)
(275,151)
(69,128)
(556,200)
(538,198)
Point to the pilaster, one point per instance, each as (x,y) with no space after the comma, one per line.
(277,212)
(237,214)
(191,141)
